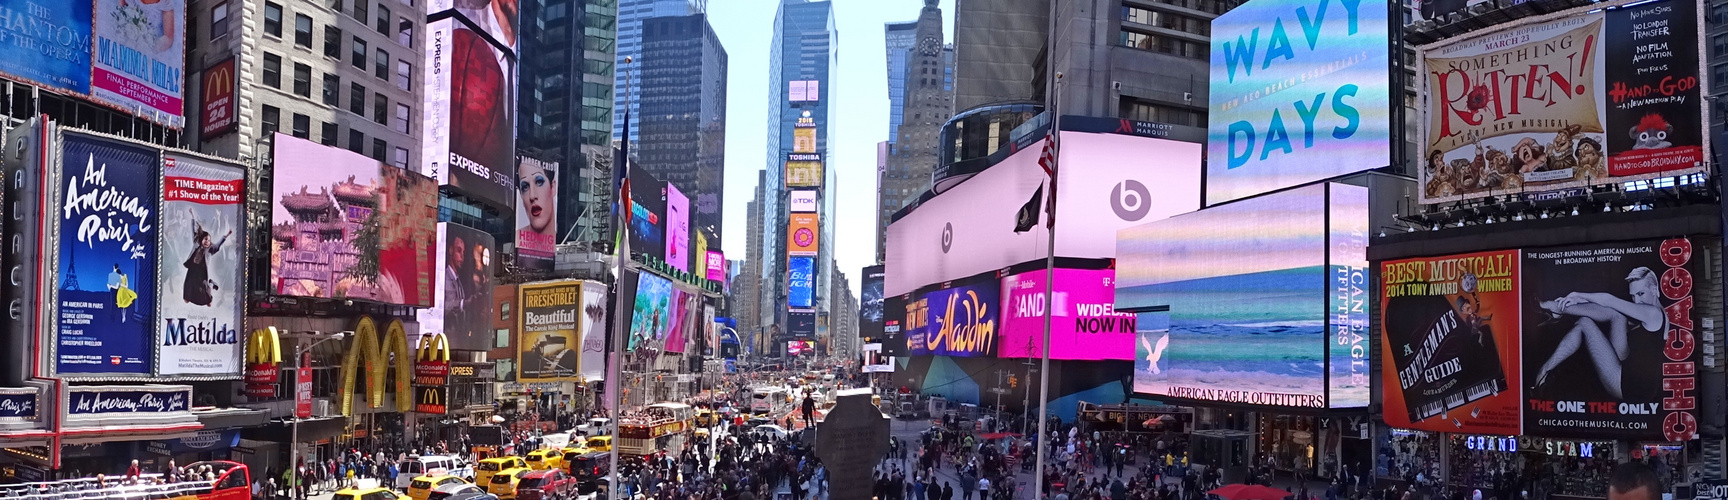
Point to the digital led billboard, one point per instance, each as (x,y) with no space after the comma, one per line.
(1084,324)
(202,290)
(677,228)
(1108,182)
(962,319)
(594,327)
(801,235)
(803,170)
(800,282)
(1247,286)
(128,55)
(873,359)
(870,302)
(324,200)
(468,118)
(1562,102)
(802,200)
(651,316)
(465,281)
(1299,93)
(497,18)
(647,214)
(1347,294)
(536,213)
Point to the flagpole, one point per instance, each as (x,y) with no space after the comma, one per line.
(1049,293)
(621,256)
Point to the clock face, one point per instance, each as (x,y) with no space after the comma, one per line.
(929,46)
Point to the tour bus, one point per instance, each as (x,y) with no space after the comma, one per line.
(769,400)
(659,427)
(233,482)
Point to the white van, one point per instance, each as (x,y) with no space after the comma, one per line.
(416,466)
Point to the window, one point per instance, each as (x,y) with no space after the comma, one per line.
(360,10)
(327,134)
(219,21)
(380,108)
(357,99)
(1163,44)
(1718,44)
(302,80)
(400,159)
(404,74)
(272,70)
(272,19)
(356,141)
(1150,112)
(335,5)
(302,126)
(401,122)
(332,89)
(404,32)
(379,149)
(383,20)
(359,53)
(272,118)
(333,42)
(303,30)
(381,65)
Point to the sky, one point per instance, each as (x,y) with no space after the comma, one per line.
(858,113)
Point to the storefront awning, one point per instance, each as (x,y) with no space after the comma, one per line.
(228,418)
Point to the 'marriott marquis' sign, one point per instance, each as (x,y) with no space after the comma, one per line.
(1299,94)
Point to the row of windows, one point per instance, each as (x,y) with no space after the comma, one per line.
(1164,44)
(332,95)
(1167,20)
(273,16)
(301,125)
(1209,6)
(1150,112)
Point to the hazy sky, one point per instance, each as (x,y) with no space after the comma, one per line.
(858,111)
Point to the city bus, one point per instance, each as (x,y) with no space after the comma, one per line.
(769,400)
(233,482)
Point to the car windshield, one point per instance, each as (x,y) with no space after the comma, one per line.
(529,483)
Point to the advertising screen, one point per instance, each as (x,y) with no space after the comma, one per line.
(1347,294)
(801,323)
(804,137)
(536,213)
(677,228)
(1608,343)
(496,17)
(801,234)
(800,347)
(220,87)
(325,200)
(894,321)
(1562,103)
(962,320)
(1245,274)
(548,348)
(467,119)
(1297,95)
(802,200)
(594,327)
(1108,182)
(647,213)
(1449,358)
(57,58)
(1084,324)
(651,317)
(107,293)
(800,282)
(870,303)
(505,310)
(716,266)
(203,297)
(139,57)
(874,361)
(676,337)
(803,170)
(465,282)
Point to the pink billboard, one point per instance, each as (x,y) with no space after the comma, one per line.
(1084,324)
(716,266)
(677,228)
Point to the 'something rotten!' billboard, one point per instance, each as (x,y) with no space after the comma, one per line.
(1300,93)
(203,224)
(1563,102)
(328,199)
(468,119)
(107,296)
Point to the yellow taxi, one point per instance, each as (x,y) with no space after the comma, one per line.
(503,484)
(599,443)
(706,418)
(547,459)
(370,491)
(484,470)
(421,487)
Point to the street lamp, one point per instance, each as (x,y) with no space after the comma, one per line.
(300,351)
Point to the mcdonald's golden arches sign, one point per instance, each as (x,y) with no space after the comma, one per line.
(263,362)
(218,100)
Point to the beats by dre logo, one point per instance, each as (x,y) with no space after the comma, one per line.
(1129,200)
(947,236)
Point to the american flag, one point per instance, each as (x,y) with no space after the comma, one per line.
(1047,160)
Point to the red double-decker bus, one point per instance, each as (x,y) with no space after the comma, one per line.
(232,481)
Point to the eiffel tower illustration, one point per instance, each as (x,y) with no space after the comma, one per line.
(71,277)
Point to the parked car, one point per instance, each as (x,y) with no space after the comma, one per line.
(460,491)
(546,485)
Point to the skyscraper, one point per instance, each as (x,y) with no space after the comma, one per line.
(564,109)
(630,16)
(996,47)
(898,39)
(929,102)
(800,59)
(683,110)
